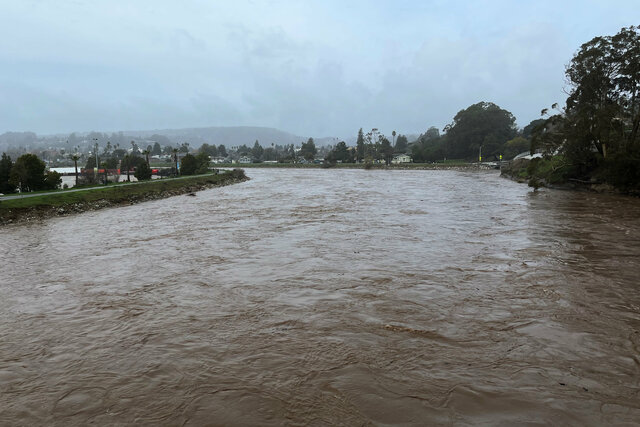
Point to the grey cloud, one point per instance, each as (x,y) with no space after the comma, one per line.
(320,68)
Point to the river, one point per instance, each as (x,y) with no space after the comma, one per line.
(324,297)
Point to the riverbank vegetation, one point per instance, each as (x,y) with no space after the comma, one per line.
(26,174)
(593,140)
(67,202)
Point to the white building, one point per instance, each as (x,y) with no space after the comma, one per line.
(401,158)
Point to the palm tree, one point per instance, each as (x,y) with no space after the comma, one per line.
(146,154)
(175,159)
(127,159)
(393,134)
(75,157)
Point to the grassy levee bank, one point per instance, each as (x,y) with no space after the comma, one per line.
(66,203)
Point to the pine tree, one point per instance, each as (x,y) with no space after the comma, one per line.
(360,146)
(5,170)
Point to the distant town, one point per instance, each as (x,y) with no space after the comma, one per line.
(98,157)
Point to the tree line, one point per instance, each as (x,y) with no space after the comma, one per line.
(594,136)
(483,129)
(287,153)
(27,173)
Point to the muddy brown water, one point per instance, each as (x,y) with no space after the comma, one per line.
(327,297)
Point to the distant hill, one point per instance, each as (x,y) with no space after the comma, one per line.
(17,139)
(229,136)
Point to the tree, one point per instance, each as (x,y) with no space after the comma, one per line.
(429,147)
(530,128)
(19,176)
(257,151)
(243,150)
(91,163)
(432,133)
(596,133)
(515,146)
(372,148)
(202,160)
(126,162)
(188,165)
(52,181)
(143,172)
(175,161)
(340,152)
(308,150)
(386,150)
(603,106)
(269,154)
(210,150)
(146,155)
(157,150)
(5,171)
(480,125)
(222,151)
(28,173)
(602,112)
(360,146)
(423,151)
(401,144)
(75,157)
(119,153)
(110,163)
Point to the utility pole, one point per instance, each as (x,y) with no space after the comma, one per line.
(95,168)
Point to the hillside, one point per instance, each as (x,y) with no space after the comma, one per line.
(229,136)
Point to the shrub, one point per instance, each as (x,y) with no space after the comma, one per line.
(188,165)
(27,173)
(143,172)
(622,171)
(52,180)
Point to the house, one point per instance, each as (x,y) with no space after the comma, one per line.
(244,159)
(401,158)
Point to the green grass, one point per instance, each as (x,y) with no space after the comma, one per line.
(87,186)
(119,193)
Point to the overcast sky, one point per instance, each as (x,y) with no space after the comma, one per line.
(322,68)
